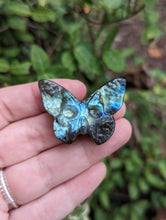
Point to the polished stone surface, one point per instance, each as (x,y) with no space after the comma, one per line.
(92,116)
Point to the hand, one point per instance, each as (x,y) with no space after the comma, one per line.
(47,178)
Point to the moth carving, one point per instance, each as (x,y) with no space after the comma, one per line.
(93,116)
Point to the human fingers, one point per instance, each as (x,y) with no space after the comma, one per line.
(121,112)
(28,137)
(22,101)
(57,165)
(61,200)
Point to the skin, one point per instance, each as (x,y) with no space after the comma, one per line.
(47,178)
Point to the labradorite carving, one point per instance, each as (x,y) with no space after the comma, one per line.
(93,116)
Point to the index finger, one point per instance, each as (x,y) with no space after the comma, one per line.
(23,101)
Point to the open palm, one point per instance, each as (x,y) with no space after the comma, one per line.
(47,178)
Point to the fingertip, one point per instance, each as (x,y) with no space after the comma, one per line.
(123,125)
(76,87)
(121,112)
(80,87)
(120,137)
(128,127)
(88,180)
(103,169)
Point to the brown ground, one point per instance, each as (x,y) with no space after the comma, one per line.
(130,32)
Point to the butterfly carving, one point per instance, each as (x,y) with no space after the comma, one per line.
(93,116)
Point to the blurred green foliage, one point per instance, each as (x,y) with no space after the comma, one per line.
(134,187)
(73,39)
(57,39)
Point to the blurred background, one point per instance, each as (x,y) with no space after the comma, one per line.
(95,41)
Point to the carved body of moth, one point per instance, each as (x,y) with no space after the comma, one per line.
(92,116)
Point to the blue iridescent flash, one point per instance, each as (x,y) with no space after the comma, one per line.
(92,116)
